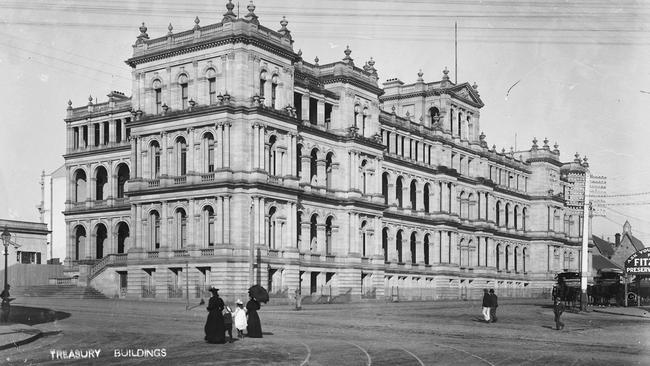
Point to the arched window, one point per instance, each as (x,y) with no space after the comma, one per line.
(384,187)
(507,257)
(398,246)
(101,183)
(313,228)
(516,217)
(262,83)
(100,237)
(299,160)
(313,165)
(413,248)
(123,234)
(398,192)
(426,197)
(182,82)
(364,177)
(363,239)
(154,221)
(328,170)
(211,76)
(364,117)
(523,218)
(425,248)
(79,186)
(80,242)
(157,89)
(271,228)
(274,87)
(498,213)
(435,115)
(181,156)
(208,226)
(498,256)
(208,151)
(328,235)
(272,156)
(384,243)
(507,214)
(181,228)
(122,177)
(413,194)
(516,257)
(154,149)
(357,115)
(523,260)
(299,228)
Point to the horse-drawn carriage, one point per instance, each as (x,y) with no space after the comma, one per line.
(608,285)
(567,288)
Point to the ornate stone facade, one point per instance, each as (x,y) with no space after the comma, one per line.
(234,153)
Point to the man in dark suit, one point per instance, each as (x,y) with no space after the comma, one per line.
(494,303)
(558,309)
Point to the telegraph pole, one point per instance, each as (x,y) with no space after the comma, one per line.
(584,257)
(251,268)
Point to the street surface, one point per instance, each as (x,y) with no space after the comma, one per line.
(415,333)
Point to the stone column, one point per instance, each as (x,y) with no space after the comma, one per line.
(101,134)
(123,130)
(305,169)
(226,219)
(436,243)
(419,251)
(305,107)
(219,148)
(255,147)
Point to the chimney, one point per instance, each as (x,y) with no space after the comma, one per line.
(617,241)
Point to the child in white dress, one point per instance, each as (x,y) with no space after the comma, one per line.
(239,317)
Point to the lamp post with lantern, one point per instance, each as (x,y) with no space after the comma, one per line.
(6,236)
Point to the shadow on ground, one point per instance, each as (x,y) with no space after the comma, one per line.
(32,316)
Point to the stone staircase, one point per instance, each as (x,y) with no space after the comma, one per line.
(58,291)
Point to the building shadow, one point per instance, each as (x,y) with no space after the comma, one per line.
(31,316)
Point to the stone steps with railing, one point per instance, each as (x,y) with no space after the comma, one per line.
(58,291)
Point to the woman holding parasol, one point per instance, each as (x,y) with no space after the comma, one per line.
(257,294)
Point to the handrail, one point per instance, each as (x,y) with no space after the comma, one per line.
(109,260)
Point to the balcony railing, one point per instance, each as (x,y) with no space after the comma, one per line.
(153,182)
(181,253)
(180,180)
(207,177)
(152,254)
(207,252)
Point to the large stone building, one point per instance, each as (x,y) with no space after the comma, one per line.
(236,161)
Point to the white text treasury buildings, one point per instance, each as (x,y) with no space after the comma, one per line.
(234,154)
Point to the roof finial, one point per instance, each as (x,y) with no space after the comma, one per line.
(143,31)
(90,99)
(229,16)
(170,27)
(420,73)
(251,16)
(577,158)
(69,104)
(445,75)
(196,23)
(534,143)
(284,30)
(347,58)
(316,61)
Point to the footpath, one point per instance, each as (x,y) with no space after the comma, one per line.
(16,334)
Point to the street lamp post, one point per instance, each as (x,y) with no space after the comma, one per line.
(5,241)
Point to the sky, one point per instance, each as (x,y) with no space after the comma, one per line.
(579,69)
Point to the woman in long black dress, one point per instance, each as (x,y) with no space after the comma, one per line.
(254,328)
(214,328)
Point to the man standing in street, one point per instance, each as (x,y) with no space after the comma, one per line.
(486,306)
(494,303)
(6,306)
(558,309)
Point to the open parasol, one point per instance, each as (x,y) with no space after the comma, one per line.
(259,293)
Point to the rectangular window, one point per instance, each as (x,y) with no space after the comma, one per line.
(328,115)
(158,100)
(183,96)
(313,111)
(157,164)
(212,90)
(118,130)
(96,132)
(106,133)
(297,104)
(75,143)
(211,157)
